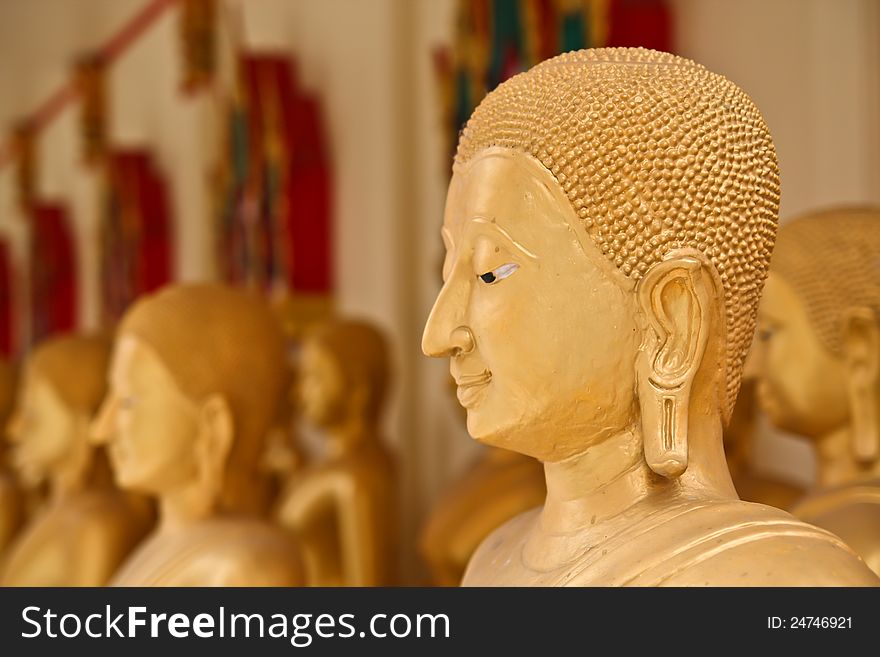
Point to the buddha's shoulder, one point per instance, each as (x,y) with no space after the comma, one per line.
(258,554)
(735,543)
(247,536)
(499,548)
(851,511)
(691,543)
(218,552)
(862,497)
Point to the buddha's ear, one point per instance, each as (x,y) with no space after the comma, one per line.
(214,443)
(359,400)
(675,296)
(861,341)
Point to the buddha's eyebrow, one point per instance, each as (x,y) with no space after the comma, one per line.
(494,225)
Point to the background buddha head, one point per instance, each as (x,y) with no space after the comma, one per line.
(343,374)
(818,353)
(62,385)
(195,383)
(608,228)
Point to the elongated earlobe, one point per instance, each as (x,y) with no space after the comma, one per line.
(214,446)
(674,295)
(862,347)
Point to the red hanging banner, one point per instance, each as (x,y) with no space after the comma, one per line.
(274,186)
(53,272)
(135,238)
(7,304)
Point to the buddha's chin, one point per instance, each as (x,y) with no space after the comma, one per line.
(488,430)
(124,480)
(774,408)
(130,479)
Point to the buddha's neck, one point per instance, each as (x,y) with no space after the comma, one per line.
(835,461)
(185,506)
(72,475)
(738,453)
(597,484)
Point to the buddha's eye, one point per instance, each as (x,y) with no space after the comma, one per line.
(497,274)
(765,333)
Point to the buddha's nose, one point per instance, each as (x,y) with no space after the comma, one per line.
(752,364)
(446,331)
(101,428)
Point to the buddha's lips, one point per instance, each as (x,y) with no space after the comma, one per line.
(470,380)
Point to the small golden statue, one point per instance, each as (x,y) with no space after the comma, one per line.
(195,383)
(608,228)
(505,483)
(344,507)
(284,456)
(12,506)
(819,364)
(87,527)
(751,483)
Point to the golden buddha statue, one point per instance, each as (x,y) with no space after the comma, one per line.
(195,382)
(752,484)
(506,484)
(608,227)
(284,457)
(819,364)
(86,527)
(12,509)
(344,506)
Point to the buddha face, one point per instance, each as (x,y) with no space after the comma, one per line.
(540,329)
(43,429)
(801,386)
(147,422)
(321,387)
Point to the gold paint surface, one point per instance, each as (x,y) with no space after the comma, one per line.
(87,526)
(195,383)
(636,194)
(343,507)
(818,364)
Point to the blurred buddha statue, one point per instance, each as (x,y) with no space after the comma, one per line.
(284,457)
(819,364)
(12,503)
(195,383)
(506,484)
(298,312)
(86,527)
(344,507)
(751,483)
(608,227)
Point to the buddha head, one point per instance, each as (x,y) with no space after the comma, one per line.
(818,353)
(195,381)
(62,385)
(608,228)
(343,375)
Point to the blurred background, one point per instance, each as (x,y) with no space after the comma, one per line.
(304,147)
